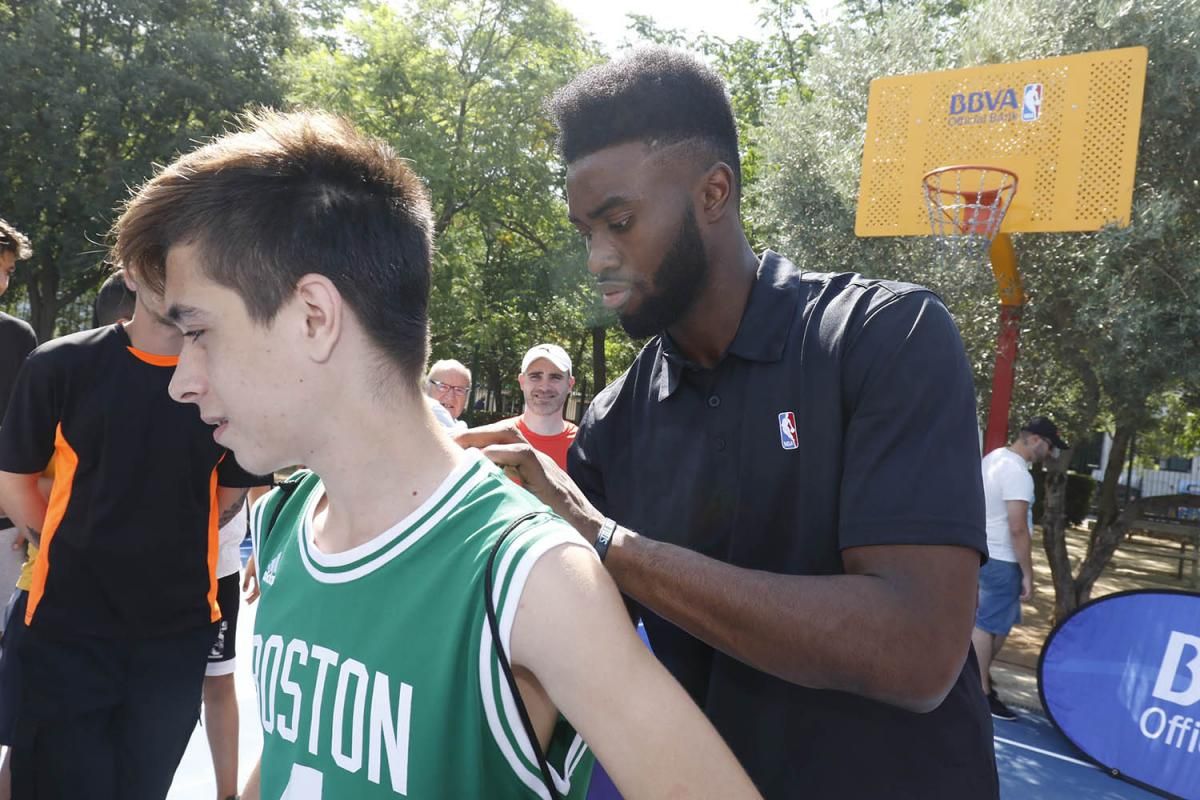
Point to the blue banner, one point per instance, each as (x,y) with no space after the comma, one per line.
(1121,679)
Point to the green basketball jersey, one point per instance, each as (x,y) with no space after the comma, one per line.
(376,671)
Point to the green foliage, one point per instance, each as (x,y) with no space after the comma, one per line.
(1114,317)
(457,86)
(94,94)
(1112,325)
(104,91)
(1174,430)
(760,73)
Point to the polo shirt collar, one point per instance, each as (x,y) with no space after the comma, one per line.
(762,334)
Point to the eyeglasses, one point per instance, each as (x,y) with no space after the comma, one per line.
(459,391)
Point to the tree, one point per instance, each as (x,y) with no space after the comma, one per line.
(1105,305)
(457,86)
(94,94)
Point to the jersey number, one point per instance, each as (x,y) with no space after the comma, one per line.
(304,784)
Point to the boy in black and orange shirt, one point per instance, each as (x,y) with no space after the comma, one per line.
(122,608)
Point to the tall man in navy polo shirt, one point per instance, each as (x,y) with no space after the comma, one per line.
(792,462)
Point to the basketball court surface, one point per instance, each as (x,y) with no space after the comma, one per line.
(1034,761)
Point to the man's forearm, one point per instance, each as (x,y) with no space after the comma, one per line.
(231,501)
(867,634)
(1023,548)
(25,504)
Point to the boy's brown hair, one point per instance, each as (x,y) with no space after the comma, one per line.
(287,195)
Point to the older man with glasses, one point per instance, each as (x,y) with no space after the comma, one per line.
(448,384)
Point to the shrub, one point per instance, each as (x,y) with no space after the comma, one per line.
(1079,495)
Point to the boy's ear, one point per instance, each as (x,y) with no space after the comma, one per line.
(322,314)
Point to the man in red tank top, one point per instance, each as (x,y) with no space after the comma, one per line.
(546,382)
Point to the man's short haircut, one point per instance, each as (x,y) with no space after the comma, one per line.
(13,241)
(113,302)
(448,363)
(654,95)
(288,195)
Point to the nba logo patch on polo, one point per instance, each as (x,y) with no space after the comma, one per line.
(788,439)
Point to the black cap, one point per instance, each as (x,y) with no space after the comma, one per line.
(1047,430)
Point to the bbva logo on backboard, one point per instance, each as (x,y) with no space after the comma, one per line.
(985,101)
(1000,105)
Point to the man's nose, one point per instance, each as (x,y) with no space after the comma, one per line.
(602,256)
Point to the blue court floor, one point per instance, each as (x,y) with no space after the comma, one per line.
(1035,762)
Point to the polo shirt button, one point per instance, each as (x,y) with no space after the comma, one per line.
(720,441)
(713,401)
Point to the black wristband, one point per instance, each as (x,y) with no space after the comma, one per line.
(604,538)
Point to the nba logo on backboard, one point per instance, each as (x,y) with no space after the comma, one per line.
(788,439)
(1031,108)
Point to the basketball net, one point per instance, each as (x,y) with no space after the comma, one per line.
(967,205)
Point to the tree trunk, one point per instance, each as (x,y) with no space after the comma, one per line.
(44,303)
(599,364)
(496,386)
(476,391)
(1111,524)
(1054,539)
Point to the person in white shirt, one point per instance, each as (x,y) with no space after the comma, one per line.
(1007,577)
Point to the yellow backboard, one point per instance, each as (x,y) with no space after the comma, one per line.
(1067,126)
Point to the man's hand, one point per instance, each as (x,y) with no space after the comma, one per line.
(504,445)
(250,581)
(32,535)
(1026,585)
(18,542)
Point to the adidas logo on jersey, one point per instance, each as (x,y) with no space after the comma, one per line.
(269,576)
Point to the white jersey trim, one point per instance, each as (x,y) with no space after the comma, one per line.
(511,588)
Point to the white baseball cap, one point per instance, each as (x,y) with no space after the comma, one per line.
(552,352)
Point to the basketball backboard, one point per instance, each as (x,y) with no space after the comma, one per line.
(1067,126)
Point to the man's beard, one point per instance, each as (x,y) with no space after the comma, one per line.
(679,280)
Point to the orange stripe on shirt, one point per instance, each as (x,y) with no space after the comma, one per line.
(64,463)
(214,537)
(154,358)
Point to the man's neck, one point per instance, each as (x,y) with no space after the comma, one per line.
(706,332)
(1019,449)
(544,425)
(151,336)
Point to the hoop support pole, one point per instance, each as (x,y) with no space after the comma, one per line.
(1004,267)
(1012,303)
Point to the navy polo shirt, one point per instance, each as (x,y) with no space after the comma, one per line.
(842,415)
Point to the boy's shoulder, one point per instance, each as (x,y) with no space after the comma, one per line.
(77,349)
(14,326)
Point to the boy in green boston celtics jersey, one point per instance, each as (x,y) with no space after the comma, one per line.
(295,258)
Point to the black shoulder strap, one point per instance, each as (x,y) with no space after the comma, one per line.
(275,505)
(547,778)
